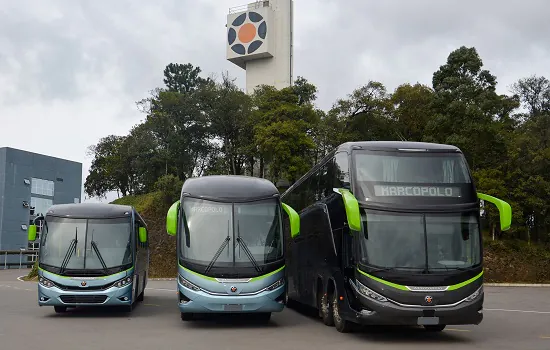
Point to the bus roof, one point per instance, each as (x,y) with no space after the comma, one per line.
(229,187)
(396,145)
(92,210)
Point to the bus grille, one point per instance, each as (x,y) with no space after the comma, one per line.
(83,299)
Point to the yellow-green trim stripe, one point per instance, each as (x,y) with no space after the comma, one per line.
(391,284)
(460,285)
(401,287)
(95,277)
(251,280)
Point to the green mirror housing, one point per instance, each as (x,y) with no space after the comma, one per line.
(504,209)
(172,219)
(32,233)
(294,219)
(142,235)
(352,209)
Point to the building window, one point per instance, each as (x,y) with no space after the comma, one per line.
(42,187)
(41,205)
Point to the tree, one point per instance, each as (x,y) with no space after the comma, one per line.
(413,108)
(283,132)
(108,171)
(182,78)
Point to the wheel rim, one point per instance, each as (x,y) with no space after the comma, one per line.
(325,306)
(335,311)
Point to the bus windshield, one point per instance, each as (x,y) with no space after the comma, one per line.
(98,244)
(412,177)
(230,234)
(427,242)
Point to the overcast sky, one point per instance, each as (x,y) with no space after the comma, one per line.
(72,70)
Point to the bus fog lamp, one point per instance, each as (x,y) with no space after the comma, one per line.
(187,284)
(369,293)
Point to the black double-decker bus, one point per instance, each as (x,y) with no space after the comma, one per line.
(389,235)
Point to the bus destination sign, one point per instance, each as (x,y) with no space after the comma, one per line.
(416,191)
(207,209)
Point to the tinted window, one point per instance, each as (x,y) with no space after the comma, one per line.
(341,175)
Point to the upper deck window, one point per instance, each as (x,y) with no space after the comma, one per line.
(389,175)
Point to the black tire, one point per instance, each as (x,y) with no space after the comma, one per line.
(435,328)
(325,310)
(186,316)
(341,325)
(60,309)
(264,317)
(142,295)
(129,308)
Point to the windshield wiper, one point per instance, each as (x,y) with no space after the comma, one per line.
(70,251)
(220,250)
(96,250)
(246,250)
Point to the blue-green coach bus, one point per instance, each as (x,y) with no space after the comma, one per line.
(230,246)
(91,254)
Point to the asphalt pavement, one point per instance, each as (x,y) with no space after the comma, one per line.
(515,318)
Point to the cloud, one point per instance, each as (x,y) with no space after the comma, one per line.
(71,71)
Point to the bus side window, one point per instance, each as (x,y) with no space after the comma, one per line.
(325,180)
(341,178)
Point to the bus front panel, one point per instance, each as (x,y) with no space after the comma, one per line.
(55,290)
(203,294)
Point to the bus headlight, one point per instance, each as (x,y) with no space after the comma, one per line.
(46,282)
(280,282)
(123,282)
(187,284)
(369,293)
(474,295)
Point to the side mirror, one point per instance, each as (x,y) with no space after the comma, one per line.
(352,208)
(32,233)
(294,219)
(172,219)
(142,235)
(504,209)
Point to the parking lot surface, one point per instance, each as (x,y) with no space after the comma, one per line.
(515,318)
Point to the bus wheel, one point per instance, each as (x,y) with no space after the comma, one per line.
(325,311)
(60,309)
(341,325)
(264,317)
(186,316)
(435,328)
(141,296)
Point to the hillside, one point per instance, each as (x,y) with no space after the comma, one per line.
(153,207)
(506,261)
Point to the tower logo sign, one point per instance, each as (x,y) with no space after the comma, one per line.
(247,33)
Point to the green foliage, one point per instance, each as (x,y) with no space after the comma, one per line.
(198,126)
(170,187)
(33,273)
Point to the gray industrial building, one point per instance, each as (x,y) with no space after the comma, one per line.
(29,184)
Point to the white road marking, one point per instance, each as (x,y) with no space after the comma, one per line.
(17,288)
(523,311)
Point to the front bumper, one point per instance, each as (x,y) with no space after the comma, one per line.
(113,296)
(201,302)
(389,313)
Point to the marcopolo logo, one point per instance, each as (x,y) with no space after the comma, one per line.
(416,191)
(247,33)
(207,209)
